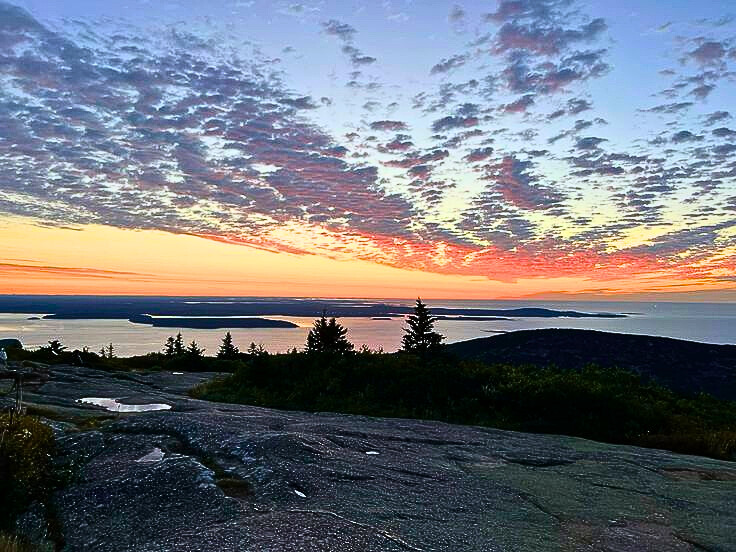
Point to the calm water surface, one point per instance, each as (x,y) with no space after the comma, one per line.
(706,322)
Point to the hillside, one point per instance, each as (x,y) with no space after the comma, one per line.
(684,366)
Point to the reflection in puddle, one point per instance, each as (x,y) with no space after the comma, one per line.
(114,406)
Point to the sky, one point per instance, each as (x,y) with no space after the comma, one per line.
(477,149)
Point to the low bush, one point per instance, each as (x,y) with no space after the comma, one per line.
(26,466)
(609,405)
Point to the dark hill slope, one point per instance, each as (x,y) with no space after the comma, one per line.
(684,366)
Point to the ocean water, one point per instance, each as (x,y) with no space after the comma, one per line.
(705,322)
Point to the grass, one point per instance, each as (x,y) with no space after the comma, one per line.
(11,543)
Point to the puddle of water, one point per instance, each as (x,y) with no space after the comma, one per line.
(156,455)
(114,406)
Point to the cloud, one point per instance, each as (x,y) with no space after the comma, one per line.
(520,105)
(545,40)
(346,33)
(717,116)
(519,187)
(135,129)
(701,92)
(685,136)
(303,102)
(453,122)
(725,149)
(576,106)
(480,154)
(723,132)
(708,53)
(457,14)
(670,108)
(389,125)
(589,143)
(343,31)
(38,269)
(449,64)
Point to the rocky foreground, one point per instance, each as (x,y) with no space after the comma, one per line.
(207,476)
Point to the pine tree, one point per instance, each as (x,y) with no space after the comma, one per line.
(194,350)
(328,337)
(169,347)
(179,345)
(110,351)
(227,351)
(419,335)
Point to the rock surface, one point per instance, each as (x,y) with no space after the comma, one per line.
(208,476)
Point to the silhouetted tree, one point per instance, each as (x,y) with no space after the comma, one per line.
(256,350)
(227,351)
(194,350)
(179,345)
(110,351)
(419,335)
(55,347)
(169,346)
(328,337)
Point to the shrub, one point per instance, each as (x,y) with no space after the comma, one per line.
(26,447)
(603,404)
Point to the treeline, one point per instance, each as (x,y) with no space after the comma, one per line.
(327,335)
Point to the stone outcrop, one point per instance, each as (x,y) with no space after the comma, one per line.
(207,476)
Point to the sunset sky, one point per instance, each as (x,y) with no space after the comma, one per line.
(478,149)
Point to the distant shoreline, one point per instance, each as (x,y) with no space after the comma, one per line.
(210,323)
(183,308)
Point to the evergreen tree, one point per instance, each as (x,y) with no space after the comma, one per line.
(256,350)
(169,350)
(227,351)
(328,337)
(179,345)
(103,352)
(419,335)
(110,351)
(55,347)
(194,350)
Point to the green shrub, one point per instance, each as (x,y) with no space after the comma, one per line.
(26,448)
(609,405)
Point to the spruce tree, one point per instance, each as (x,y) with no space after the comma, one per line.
(256,350)
(328,336)
(169,346)
(179,345)
(419,335)
(227,351)
(194,350)
(110,351)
